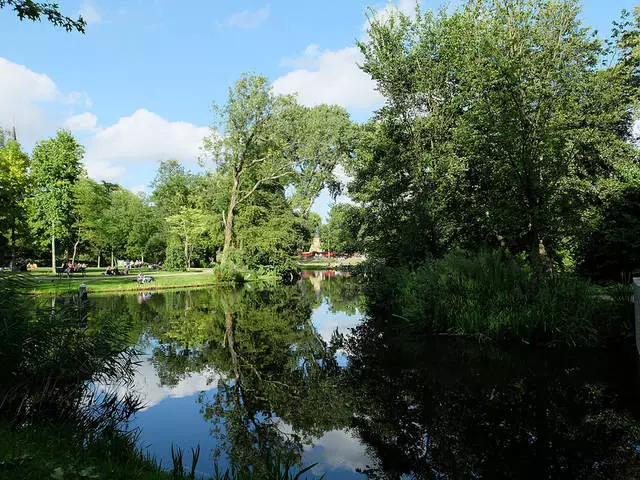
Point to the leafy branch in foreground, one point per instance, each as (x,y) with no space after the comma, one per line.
(34,11)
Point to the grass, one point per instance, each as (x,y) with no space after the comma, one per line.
(324,263)
(41,284)
(99,272)
(55,452)
(119,284)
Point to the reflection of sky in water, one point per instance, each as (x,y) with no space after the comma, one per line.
(172,413)
(325,322)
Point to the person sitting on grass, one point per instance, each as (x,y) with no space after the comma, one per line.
(142,278)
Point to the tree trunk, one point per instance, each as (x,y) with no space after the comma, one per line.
(13,248)
(228,226)
(98,260)
(142,258)
(53,252)
(228,320)
(75,249)
(112,257)
(186,255)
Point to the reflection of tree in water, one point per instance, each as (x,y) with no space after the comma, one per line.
(276,386)
(448,409)
(342,292)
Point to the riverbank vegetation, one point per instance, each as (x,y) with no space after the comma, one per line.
(495,297)
(507,133)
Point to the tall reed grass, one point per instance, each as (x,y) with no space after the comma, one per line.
(493,296)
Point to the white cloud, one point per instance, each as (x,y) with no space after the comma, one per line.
(248,18)
(33,101)
(147,385)
(138,189)
(141,137)
(101,170)
(408,7)
(339,449)
(90,12)
(81,123)
(77,98)
(332,77)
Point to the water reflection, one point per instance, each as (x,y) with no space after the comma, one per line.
(257,375)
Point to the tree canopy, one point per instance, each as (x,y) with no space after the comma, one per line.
(503,124)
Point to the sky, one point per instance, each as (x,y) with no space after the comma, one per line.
(138,87)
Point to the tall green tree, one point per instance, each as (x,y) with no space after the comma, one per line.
(341,233)
(321,137)
(502,120)
(248,148)
(55,169)
(14,189)
(190,225)
(91,200)
(171,187)
(266,141)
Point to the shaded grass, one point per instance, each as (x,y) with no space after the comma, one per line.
(57,452)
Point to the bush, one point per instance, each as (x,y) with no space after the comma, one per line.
(494,296)
(230,266)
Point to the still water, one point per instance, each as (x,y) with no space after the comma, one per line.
(299,374)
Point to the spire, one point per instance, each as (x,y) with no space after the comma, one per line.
(13,131)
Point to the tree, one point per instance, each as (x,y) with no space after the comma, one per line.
(171,187)
(322,136)
(35,11)
(342,230)
(248,149)
(190,224)
(270,142)
(55,168)
(91,200)
(14,188)
(501,121)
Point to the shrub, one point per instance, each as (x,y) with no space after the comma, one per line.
(494,296)
(230,266)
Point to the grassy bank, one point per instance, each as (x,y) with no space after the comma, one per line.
(496,297)
(55,452)
(48,285)
(43,285)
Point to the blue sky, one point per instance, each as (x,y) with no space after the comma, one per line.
(137,88)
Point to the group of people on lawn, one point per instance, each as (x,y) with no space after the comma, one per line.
(73,267)
(142,278)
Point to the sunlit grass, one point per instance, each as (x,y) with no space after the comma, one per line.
(117,284)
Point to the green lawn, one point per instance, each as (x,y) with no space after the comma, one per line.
(99,272)
(44,285)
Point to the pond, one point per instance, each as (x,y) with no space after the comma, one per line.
(299,374)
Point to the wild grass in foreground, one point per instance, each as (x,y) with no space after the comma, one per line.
(494,296)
